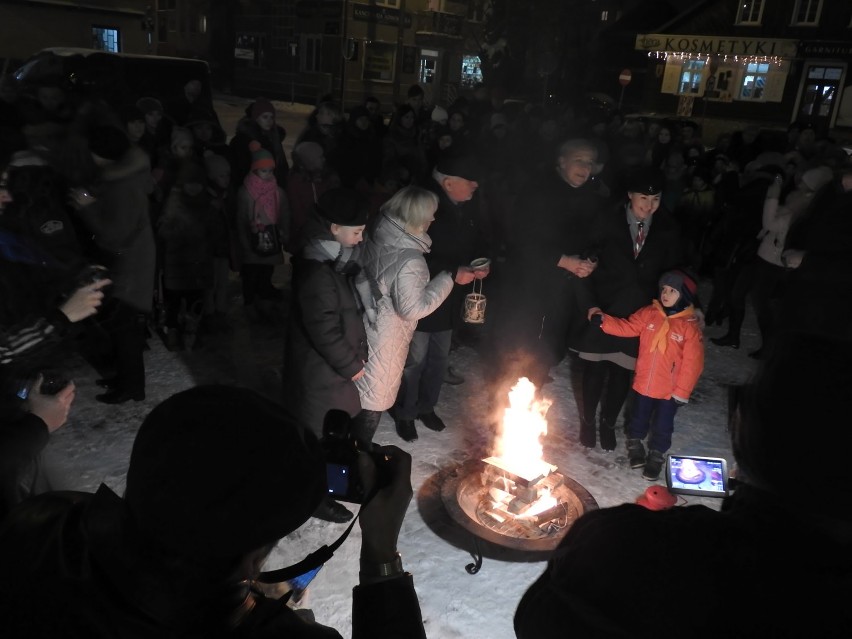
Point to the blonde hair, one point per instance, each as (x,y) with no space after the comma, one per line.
(411,206)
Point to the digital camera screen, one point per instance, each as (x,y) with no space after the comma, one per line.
(337,477)
(702,476)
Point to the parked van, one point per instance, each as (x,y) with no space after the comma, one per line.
(117,78)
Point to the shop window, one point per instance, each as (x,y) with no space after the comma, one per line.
(249,47)
(105,39)
(379,61)
(471,71)
(394,4)
(690,77)
(310,48)
(751,12)
(807,13)
(754,82)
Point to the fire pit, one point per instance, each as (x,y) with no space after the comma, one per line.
(514,498)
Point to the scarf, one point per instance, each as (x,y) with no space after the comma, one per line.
(660,340)
(344,260)
(266,199)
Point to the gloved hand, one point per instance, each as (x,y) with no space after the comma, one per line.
(596,320)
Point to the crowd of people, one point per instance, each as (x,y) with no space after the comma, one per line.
(119,224)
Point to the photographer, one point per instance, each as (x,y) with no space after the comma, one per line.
(216,478)
(785,532)
(31,406)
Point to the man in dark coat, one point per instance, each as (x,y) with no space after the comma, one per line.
(551,248)
(776,561)
(457,240)
(216,478)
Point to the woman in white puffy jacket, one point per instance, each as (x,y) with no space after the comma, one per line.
(393,258)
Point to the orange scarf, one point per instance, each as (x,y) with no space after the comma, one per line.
(661,337)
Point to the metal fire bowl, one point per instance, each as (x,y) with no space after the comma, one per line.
(462,492)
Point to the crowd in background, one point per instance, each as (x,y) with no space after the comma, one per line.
(173,208)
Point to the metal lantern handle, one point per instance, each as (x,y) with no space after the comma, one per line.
(477,289)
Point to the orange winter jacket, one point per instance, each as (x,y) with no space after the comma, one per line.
(668,364)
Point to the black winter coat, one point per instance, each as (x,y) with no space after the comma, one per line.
(622,284)
(458,238)
(326,342)
(551,219)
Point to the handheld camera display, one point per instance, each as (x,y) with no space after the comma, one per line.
(702,476)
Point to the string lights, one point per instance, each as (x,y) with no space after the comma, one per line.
(742,59)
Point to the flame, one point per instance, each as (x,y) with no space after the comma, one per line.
(519,443)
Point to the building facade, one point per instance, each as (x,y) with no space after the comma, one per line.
(768,62)
(303,49)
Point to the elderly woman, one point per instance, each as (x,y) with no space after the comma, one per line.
(393,258)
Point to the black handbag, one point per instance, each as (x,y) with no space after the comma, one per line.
(265,240)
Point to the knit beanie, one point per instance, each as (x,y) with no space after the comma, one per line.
(148,104)
(216,472)
(215,165)
(130,113)
(439,114)
(343,206)
(683,284)
(261,106)
(191,172)
(260,157)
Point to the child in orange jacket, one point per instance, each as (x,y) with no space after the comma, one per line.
(670,361)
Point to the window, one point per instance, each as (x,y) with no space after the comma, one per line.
(471,71)
(751,12)
(379,61)
(754,81)
(807,12)
(604,16)
(690,77)
(388,3)
(311,46)
(105,39)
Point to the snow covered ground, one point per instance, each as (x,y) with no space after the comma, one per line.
(95,445)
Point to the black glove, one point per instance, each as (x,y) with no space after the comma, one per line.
(596,320)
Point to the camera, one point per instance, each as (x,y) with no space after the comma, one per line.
(91,274)
(52,382)
(341,449)
(697,475)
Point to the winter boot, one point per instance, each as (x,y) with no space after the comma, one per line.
(635,453)
(732,337)
(174,342)
(191,326)
(653,465)
(607,434)
(587,433)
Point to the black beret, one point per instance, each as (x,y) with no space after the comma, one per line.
(463,166)
(344,206)
(217,471)
(647,180)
